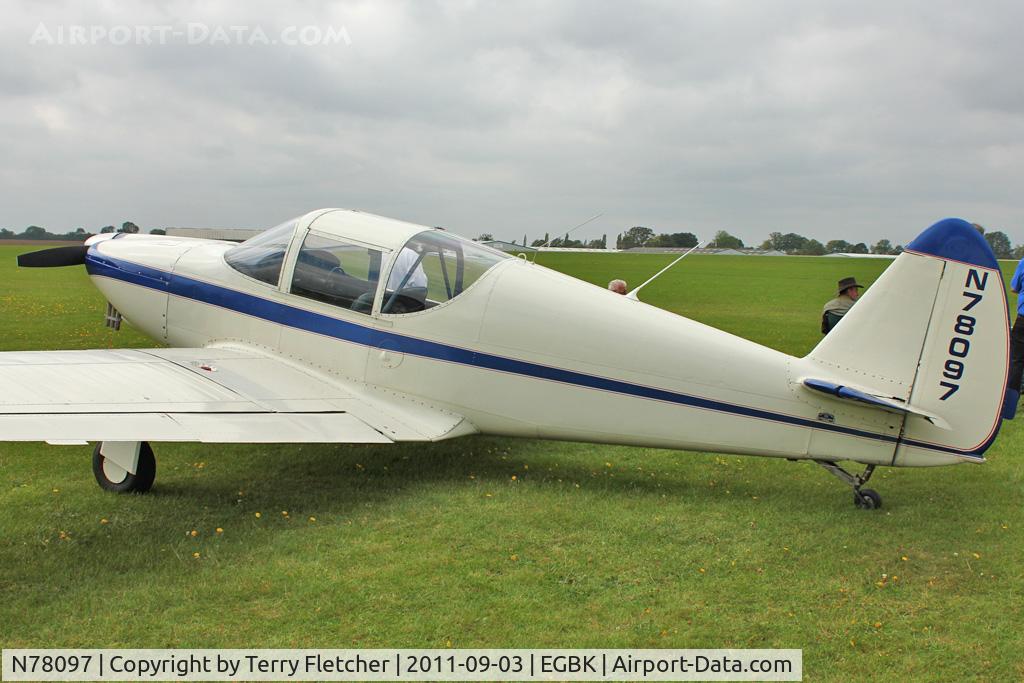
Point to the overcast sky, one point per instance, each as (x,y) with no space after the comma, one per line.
(835,120)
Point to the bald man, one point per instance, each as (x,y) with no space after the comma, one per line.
(617,286)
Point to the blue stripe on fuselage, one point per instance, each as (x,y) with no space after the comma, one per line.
(216,295)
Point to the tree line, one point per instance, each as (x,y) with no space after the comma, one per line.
(34,232)
(637,236)
(789,243)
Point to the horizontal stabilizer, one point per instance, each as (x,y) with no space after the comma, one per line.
(867,397)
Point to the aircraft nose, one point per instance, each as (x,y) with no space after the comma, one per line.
(138,252)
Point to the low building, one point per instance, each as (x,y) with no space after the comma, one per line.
(888,256)
(226,234)
(509,247)
(707,251)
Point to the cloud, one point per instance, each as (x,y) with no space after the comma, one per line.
(827,119)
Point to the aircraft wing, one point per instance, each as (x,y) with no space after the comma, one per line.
(212,395)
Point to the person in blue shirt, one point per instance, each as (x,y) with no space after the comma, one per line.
(1017,333)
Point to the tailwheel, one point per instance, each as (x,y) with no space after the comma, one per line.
(867,499)
(113,477)
(864,499)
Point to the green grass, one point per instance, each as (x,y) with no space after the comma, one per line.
(588,546)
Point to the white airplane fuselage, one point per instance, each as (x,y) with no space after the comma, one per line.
(525,351)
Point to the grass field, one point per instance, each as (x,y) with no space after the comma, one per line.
(503,543)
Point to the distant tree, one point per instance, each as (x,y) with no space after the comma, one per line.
(595,244)
(859,248)
(1000,244)
(6,234)
(77,235)
(618,241)
(524,239)
(637,236)
(898,249)
(882,246)
(539,242)
(129,227)
(837,247)
(604,241)
(157,231)
(1018,251)
(483,237)
(109,228)
(813,248)
(979,228)
(774,241)
(723,240)
(34,232)
(682,239)
(791,243)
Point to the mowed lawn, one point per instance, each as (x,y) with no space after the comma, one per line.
(487,542)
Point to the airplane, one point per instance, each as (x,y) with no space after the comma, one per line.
(345,327)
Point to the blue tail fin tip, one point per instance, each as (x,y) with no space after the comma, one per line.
(957,240)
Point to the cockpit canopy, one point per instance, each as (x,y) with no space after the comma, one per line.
(338,258)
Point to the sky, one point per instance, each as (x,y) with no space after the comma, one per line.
(835,120)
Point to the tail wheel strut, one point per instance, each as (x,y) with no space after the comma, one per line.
(865,499)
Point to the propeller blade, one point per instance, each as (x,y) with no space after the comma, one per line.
(55,257)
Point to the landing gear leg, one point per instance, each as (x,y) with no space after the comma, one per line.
(866,499)
(124,466)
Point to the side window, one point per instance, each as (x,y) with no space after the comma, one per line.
(262,256)
(336,272)
(435,267)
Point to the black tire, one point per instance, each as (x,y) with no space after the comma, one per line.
(140,482)
(867,499)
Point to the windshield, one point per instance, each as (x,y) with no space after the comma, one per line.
(435,267)
(262,256)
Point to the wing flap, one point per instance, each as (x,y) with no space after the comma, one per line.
(202,427)
(215,395)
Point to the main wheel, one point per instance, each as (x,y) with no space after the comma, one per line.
(112,477)
(867,499)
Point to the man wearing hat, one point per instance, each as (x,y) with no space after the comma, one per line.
(834,310)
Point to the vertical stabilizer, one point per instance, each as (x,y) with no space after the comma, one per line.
(932,332)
